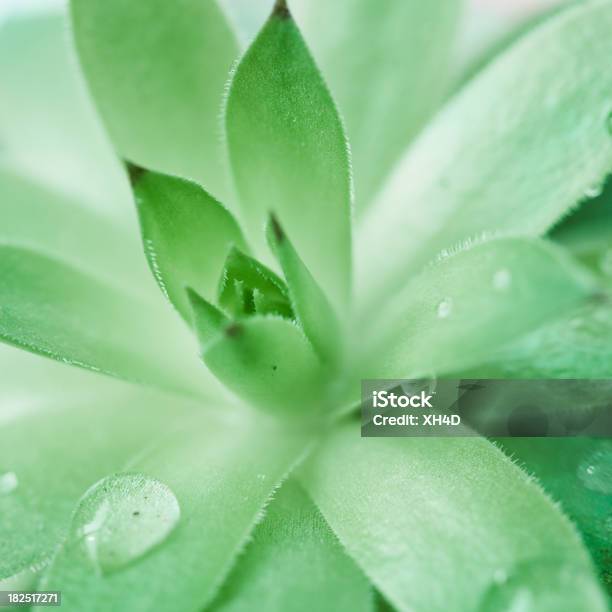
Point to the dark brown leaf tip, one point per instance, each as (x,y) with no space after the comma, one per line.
(134,171)
(281,10)
(279,234)
(234,330)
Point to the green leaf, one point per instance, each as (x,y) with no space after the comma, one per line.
(288,152)
(268,362)
(55,456)
(55,140)
(448,524)
(587,233)
(561,465)
(465,306)
(55,310)
(577,345)
(501,157)
(294,563)
(221,475)
(386,88)
(157,72)
(208,320)
(34,216)
(248,287)
(186,234)
(314,312)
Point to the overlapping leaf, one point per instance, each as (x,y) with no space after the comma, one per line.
(294,563)
(387,87)
(288,152)
(462,308)
(157,71)
(502,157)
(408,509)
(222,475)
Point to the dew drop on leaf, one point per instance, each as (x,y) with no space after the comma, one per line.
(595,471)
(8,482)
(593,191)
(445,307)
(543,585)
(122,517)
(502,279)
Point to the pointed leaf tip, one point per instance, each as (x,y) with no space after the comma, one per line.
(277,231)
(134,171)
(208,320)
(281,10)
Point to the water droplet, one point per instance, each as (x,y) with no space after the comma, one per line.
(122,517)
(605,263)
(8,482)
(543,585)
(593,191)
(445,307)
(595,471)
(502,279)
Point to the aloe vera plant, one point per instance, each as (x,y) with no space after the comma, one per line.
(316,209)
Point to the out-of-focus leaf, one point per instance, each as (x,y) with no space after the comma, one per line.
(387,87)
(247,287)
(562,466)
(289,154)
(314,312)
(294,563)
(55,310)
(186,235)
(222,476)
(268,362)
(157,71)
(448,524)
(502,157)
(247,17)
(55,138)
(55,453)
(577,345)
(465,306)
(488,29)
(36,217)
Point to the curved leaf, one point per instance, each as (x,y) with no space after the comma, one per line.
(186,235)
(389,499)
(294,563)
(52,309)
(577,345)
(56,140)
(247,287)
(314,312)
(387,87)
(81,436)
(268,362)
(465,306)
(222,475)
(502,157)
(157,71)
(561,465)
(288,152)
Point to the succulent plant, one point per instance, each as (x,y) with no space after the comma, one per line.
(344,205)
